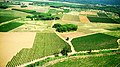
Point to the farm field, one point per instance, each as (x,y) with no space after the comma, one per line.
(94,42)
(84,19)
(9,26)
(7,15)
(64,34)
(102,15)
(12,42)
(43,46)
(101,20)
(33,26)
(102,61)
(72,18)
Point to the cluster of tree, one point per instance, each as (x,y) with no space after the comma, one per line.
(65,28)
(3,6)
(43,16)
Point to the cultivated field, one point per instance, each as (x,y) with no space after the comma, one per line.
(101,20)
(9,26)
(45,44)
(12,43)
(7,15)
(94,42)
(84,19)
(72,18)
(88,13)
(102,61)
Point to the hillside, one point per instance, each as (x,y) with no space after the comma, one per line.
(111,2)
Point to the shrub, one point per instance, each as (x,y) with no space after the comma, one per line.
(56,25)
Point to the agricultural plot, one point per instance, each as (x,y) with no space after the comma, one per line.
(45,44)
(101,20)
(7,15)
(9,26)
(84,19)
(102,61)
(102,15)
(94,42)
(12,42)
(73,18)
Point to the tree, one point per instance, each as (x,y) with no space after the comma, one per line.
(56,25)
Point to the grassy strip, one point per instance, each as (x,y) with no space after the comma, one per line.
(94,42)
(45,44)
(9,26)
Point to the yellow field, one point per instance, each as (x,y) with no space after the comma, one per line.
(12,43)
(84,19)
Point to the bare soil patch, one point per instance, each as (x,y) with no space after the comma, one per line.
(71,34)
(12,42)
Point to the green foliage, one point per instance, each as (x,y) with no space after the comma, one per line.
(56,25)
(94,42)
(65,28)
(101,61)
(45,44)
(66,10)
(9,26)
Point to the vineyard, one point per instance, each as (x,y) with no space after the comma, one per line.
(100,61)
(7,15)
(9,26)
(94,42)
(102,15)
(45,44)
(101,20)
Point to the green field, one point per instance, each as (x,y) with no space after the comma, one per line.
(102,61)
(101,20)
(73,18)
(94,42)
(45,44)
(102,15)
(7,15)
(9,26)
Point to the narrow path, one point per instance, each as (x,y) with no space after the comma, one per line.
(23,65)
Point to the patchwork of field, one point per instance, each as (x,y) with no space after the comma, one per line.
(7,15)
(9,26)
(94,42)
(12,43)
(45,44)
(33,26)
(72,18)
(100,61)
(84,19)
